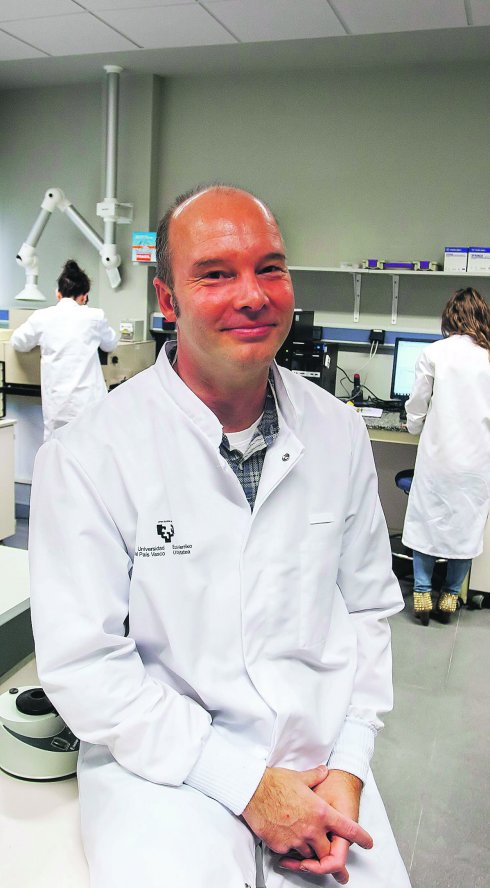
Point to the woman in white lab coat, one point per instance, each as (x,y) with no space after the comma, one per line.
(69,335)
(450,494)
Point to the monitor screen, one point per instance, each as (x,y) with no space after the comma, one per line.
(404,360)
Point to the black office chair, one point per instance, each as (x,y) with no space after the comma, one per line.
(402,557)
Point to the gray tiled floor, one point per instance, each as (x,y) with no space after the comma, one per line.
(432,760)
(19,539)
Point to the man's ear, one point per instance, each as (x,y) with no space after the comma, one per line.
(165,299)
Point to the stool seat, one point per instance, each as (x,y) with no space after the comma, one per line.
(403,480)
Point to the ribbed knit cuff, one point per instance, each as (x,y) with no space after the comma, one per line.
(354,749)
(225,773)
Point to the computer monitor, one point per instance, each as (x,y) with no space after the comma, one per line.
(404,360)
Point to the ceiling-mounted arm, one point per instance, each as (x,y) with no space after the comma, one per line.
(110,210)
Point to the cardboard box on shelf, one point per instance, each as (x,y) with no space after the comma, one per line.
(455,258)
(479,259)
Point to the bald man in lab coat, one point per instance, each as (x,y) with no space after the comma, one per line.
(226,511)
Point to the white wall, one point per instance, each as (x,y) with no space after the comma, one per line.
(51,137)
(355,163)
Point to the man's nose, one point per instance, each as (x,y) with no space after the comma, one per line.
(250,294)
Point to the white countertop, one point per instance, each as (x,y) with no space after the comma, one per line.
(14,582)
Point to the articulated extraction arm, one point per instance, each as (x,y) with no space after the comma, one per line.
(110,210)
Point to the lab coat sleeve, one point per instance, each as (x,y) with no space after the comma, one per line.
(80,578)
(371,594)
(26,336)
(108,337)
(419,400)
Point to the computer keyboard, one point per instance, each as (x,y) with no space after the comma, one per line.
(386,406)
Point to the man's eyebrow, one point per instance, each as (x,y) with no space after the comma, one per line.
(204,264)
(278,257)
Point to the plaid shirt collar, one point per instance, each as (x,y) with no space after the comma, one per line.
(267,429)
(248,466)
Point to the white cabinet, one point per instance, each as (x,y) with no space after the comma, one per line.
(7,489)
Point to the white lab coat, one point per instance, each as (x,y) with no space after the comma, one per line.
(254,638)
(69,335)
(450,406)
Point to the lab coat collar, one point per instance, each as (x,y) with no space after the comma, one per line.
(201,415)
(67,300)
(290,402)
(192,406)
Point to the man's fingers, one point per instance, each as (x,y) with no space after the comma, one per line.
(333,862)
(315,775)
(321,846)
(331,858)
(340,850)
(348,829)
(317,867)
(329,864)
(300,852)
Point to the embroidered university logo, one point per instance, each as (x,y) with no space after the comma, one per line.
(165,529)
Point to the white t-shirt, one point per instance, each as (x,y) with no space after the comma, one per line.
(240,440)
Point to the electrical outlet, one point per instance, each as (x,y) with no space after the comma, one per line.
(377,336)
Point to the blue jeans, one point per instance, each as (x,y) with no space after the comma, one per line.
(423,566)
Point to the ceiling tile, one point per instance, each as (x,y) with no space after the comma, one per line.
(24,9)
(160,27)
(96,5)
(383,16)
(69,35)
(481,12)
(10,49)
(258,20)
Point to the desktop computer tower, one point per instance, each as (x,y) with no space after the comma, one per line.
(305,352)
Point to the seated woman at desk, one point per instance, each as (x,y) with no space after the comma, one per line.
(450,407)
(69,335)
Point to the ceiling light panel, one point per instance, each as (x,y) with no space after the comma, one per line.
(258,20)
(69,35)
(383,16)
(481,12)
(25,9)
(11,49)
(160,27)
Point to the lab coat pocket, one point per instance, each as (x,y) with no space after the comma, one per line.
(318,565)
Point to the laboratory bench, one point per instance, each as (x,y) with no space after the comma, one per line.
(7,487)
(388,427)
(16,641)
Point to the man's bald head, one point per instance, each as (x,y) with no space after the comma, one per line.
(164,259)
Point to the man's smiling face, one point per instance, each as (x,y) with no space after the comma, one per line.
(232,296)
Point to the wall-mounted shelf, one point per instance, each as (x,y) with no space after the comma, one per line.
(393,273)
(390,271)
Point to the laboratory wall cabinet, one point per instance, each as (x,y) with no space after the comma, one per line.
(7,490)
